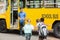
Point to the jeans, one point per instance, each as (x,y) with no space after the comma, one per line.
(21,26)
(28,36)
(42,38)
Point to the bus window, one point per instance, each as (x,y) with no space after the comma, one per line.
(50,3)
(14,3)
(22,3)
(3,5)
(58,3)
(7,4)
(34,3)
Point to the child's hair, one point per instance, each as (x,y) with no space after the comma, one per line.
(42,20)
(28,20)
(37,20)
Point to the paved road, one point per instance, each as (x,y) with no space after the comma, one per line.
(10,36)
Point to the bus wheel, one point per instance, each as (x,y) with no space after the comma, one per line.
(57,30)
(2,26)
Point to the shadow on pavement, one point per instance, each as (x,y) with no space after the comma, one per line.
(34,33)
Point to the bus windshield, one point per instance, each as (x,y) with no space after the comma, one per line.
(3,5)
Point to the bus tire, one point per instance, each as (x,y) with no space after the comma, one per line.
(56,30)
(2,26)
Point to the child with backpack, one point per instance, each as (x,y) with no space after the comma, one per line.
(42,29)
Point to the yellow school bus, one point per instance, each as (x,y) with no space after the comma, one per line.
(34,9)
(4,14)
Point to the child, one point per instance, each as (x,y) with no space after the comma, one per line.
(42,29)
(38,26)
(28,30)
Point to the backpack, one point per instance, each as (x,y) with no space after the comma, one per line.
(43,30)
